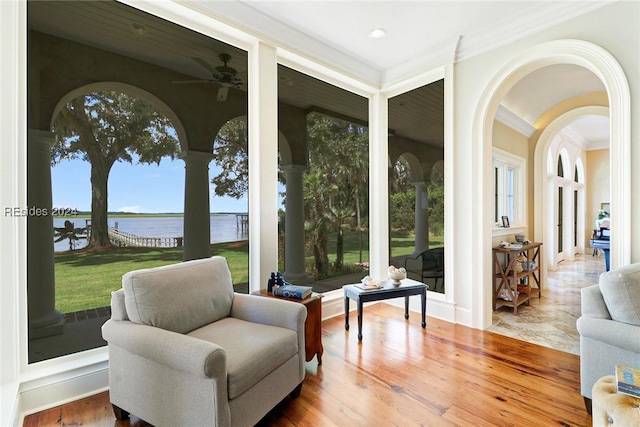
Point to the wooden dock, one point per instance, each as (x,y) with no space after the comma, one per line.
(122,238)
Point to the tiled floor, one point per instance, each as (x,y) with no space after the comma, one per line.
(551,320)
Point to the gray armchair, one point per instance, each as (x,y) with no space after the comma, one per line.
(609,326)
(185,350)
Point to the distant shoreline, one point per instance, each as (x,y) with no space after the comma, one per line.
(87,215)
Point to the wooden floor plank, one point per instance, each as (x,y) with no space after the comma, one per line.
(401,374)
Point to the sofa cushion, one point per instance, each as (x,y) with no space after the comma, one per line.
(253,350)
(158,296)
(621,292)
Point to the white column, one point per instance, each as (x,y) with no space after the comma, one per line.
(421,218)
(44,319)
(294,226)
(263,164)
(197,215)
(378,185)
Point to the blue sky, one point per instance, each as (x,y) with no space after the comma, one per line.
(133,187)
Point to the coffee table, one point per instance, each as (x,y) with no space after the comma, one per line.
(406,288)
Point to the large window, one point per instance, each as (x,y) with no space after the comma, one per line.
(416,183)
(120,163)
(324,181)
(509,187)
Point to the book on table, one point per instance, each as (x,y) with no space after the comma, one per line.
(293,291)
(628,380)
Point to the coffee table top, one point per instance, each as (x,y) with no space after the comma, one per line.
(387,286)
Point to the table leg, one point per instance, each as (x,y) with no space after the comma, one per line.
(423,303)
(359,320)
(346,313)
(406,308)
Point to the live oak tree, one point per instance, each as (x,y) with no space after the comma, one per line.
(106,127)
(230,153)
(334,185)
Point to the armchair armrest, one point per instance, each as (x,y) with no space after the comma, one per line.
(171,349)
(617,334)
(269,311)
(593,304)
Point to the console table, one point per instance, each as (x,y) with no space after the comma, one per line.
(312,325)
(406,288)
(510,278)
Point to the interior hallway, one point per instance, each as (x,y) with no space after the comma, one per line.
(551,320)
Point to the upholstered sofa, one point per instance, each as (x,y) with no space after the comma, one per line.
(609,326)
(185,350)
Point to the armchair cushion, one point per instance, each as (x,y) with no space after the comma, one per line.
(157,297)
(620,289)
(253,350)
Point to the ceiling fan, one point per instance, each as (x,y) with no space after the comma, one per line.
(223,75)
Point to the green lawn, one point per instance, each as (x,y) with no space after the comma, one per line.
(85,280)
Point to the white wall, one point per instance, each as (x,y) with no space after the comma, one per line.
(11,125)
(614,28)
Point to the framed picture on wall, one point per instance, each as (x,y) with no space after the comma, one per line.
(505,221)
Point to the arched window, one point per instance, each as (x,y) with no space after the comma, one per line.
(560,167)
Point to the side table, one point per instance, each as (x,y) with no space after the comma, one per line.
(407,288)
(312,326)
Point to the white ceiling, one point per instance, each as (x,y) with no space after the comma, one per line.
(420,35)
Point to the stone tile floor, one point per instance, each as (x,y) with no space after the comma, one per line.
(550,321)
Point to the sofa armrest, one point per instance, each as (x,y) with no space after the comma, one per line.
(269,311)
(593,304)
(177,351)
(617,334)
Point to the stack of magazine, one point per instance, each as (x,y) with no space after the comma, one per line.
(628,380)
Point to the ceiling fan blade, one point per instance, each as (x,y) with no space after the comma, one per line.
(204,64)
(222,94)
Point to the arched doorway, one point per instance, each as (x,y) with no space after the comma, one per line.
(606,68)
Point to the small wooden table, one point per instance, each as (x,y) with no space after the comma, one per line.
(407,288)
(312,326)
(509,277)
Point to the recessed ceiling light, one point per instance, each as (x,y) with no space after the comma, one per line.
(377,33)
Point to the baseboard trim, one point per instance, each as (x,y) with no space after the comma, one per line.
(10,404)
(36,396)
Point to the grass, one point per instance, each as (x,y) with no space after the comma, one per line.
(85,279)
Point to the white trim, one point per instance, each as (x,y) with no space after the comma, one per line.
(378,185)
(195,18)
(519,165)
(263,171)
(324,72)
(543,179)
(515,122)
(605,66)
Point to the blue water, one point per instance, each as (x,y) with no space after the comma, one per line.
(223,228)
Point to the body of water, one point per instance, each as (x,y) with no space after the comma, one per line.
(223,228)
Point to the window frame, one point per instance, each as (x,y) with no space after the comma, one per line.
(509,184)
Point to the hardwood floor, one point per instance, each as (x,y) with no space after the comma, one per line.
(402,375)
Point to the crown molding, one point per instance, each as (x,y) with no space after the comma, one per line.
(515,122)
(531,20)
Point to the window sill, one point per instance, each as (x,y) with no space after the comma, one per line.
(501,231)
